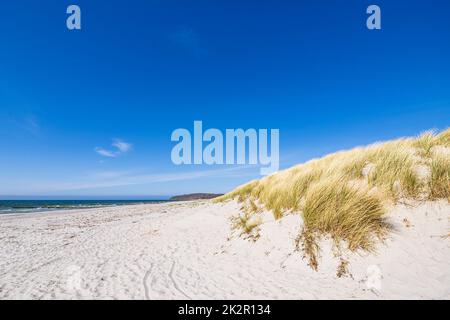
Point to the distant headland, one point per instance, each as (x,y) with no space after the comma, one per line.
(195,196)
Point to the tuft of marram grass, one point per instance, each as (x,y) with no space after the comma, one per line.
(344,194)
(440,177)
(443,138)
(247,221)
(425,143)
(348,211)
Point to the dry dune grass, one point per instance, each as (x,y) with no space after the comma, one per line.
(345,194)
(440,177)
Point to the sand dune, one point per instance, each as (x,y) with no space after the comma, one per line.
(187,250)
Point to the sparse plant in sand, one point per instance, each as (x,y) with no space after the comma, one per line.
(342,269)
(247,221)
(345,195)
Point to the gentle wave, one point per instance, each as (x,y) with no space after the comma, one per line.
(31,206)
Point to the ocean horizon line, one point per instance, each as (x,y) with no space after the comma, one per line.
(33,206)
(83,197)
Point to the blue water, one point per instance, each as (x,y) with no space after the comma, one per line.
(31,206)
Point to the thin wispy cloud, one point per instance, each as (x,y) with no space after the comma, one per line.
(29,123)
(110,179)
(120,147)
(106,153)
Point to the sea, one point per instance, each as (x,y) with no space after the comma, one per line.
(32,206)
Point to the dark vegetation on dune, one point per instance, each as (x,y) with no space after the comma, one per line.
(195,196)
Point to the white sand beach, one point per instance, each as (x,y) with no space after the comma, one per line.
(187,250)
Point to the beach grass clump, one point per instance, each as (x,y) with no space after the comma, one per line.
(440,177)
(443,138)
(425,143)
(241,192)
(347,211)
(345,194)
(393,170)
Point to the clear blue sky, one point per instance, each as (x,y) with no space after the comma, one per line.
(140,69)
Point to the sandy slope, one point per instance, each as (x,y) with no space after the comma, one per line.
(186,250)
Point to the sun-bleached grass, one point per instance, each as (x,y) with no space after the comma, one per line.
(351,211)
(344,195)
(440,177)
(425,143)
(443,138)
(247,221)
